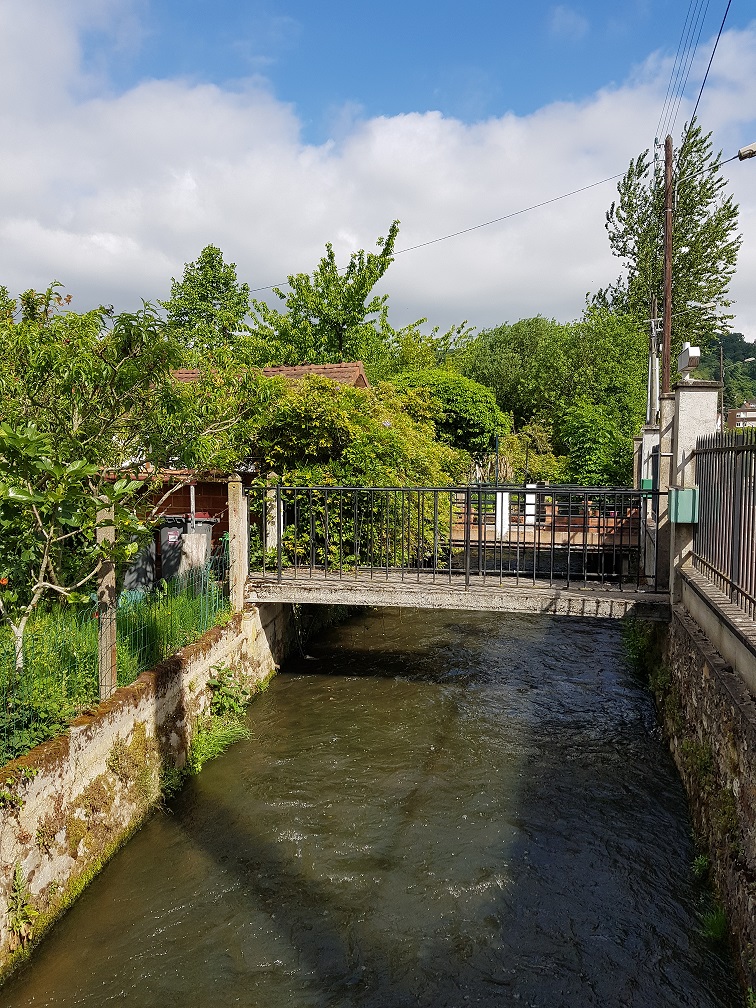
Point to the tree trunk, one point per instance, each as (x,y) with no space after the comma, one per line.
(17,629)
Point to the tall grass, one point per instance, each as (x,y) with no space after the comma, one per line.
(60,677)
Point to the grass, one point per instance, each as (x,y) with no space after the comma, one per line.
(714,925)
(212,737)
(60,676)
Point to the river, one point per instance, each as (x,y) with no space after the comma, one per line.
(435,809)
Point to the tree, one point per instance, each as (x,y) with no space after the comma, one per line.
(705,240)
(540,370)
(464,413)
(319,432)
(330,316)
(90,382)
(208,306)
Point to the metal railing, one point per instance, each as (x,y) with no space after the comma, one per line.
(724,544)
(572,536)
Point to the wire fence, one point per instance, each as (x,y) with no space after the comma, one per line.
(724,546)
(59,676)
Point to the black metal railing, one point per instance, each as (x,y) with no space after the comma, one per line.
(564,535)
(724,543)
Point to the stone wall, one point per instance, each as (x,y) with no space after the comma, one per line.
(68,805)
(710,719)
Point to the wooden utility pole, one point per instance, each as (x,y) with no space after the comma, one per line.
(668,225)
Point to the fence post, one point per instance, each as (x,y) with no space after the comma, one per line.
(238,541)
(696,408)
(107,655)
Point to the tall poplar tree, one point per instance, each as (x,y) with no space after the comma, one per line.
(208,305)
(705,240)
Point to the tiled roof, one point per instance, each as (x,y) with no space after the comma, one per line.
(352,373)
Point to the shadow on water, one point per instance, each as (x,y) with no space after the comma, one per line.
(441,810)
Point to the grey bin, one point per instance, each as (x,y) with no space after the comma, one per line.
(171,547)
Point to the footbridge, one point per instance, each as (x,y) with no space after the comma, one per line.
(566,550)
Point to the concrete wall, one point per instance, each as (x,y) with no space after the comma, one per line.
(69,804)
(709,716)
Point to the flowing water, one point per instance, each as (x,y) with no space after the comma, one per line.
(437,809)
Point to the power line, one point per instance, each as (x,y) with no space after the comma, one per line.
(711,59)
(692,51)
(476,227)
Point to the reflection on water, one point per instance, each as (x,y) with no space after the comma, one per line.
(440,809)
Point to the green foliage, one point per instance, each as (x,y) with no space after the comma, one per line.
(21,912)
(700,867)
(329,316)
(90,382)
(585,382)
(208,305)
(714,925)
(60,672)
(228,696)
(739,378)
(320,432)
(464,413)
(212,737)
(705,242)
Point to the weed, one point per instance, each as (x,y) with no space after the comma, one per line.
(171,779)
(698,758)
(700,867)
(227,695)
(21,913)
(751,998)
(213,736)
(10,800)
(714,925)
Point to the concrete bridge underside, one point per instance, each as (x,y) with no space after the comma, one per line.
(482,595)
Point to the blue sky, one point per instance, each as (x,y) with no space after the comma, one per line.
(135,132)
(468,61)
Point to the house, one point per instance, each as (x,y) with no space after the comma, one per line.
(743,416)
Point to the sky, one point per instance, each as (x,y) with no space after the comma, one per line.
(135,132)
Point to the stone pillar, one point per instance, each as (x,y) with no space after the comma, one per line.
(107,604)
(637,461)
(238,541)
(696,405)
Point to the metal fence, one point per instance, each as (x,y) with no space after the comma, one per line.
(724,544)
(567,535)
(59,675)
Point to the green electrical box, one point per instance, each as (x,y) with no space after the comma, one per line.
(683,505)
(647,484)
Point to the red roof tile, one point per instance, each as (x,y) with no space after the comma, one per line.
(352,373)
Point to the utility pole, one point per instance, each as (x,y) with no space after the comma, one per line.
(668,225)
(652,398)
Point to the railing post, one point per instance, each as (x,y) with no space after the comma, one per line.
(107,654)
(238,542)
(696,407)
(279,531)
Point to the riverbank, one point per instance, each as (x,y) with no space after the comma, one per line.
(709,720)
(71,803)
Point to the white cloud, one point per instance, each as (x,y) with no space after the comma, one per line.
(567,24)
(111,194)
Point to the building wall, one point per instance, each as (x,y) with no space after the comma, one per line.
(70,803)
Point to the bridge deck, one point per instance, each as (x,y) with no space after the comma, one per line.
(483,594)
